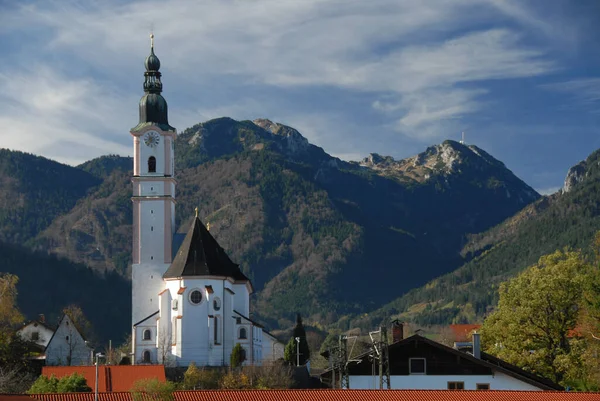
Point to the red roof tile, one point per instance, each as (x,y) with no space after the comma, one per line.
(181,290)
(462,332)
(341,395)
(110,378)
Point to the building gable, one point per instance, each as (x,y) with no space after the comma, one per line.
(429,358)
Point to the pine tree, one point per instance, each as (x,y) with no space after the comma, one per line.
(300,333)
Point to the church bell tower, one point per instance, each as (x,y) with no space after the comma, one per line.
(153,193)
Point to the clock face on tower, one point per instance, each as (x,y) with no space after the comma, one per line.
(151,138)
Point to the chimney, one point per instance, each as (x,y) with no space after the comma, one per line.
(397,331)
(477,345)
(42,318)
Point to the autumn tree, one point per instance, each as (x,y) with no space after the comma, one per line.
(152,389)
(80,321)
(201,379)
(273,375)
(13,348)
(10,316)
(536,313)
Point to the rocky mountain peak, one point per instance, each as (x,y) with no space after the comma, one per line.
(575,175)
(445,158)
(376,160)
(295,142)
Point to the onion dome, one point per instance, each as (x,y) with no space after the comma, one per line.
(152,62)
(153,106)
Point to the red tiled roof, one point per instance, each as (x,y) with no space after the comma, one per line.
(462,332)
(110,378)
(341,395)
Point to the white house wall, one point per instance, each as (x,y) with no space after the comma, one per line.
(241,299)
(44,333)
(67,341)
(272,349)
(497,381)
(142,345)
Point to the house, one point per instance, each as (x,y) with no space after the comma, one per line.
(117,378)
(420,363)
(63,345)
(330,395)
(38,334)
(67,346)
(461,334)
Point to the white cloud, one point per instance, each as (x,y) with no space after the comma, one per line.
(44,112)
(416,57)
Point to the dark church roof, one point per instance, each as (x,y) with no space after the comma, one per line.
(201,255)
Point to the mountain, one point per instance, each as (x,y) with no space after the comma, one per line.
(569,218)
(34,191)
(317,235)
(48,284)
(104,166)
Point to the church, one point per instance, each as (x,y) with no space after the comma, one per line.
(190,302)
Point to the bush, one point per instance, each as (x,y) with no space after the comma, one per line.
(74,383)
(200,379)
(152,389)
(238,356)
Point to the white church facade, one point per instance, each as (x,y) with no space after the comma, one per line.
(192,307)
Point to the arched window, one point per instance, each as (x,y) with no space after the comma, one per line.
(152,164)
(147,334)
(243,334)
(146,357)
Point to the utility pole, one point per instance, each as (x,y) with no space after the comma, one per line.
(98,355)
(343,361)
(384,361)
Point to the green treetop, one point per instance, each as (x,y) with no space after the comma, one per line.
(532,327)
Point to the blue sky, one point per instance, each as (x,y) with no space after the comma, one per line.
(522,78)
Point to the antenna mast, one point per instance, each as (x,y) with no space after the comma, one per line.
(462,141)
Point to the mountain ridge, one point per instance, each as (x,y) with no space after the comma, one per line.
(288,213)
(568,218)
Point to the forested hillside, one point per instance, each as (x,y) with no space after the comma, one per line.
(565,219)
(48,284)
(34,191)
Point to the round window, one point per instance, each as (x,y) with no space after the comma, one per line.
(195,297)
(217,304)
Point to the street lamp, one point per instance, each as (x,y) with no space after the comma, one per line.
(297,351)
(98,355)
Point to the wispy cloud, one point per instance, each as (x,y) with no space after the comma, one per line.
(585,92)
(46,113)
(421,67)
